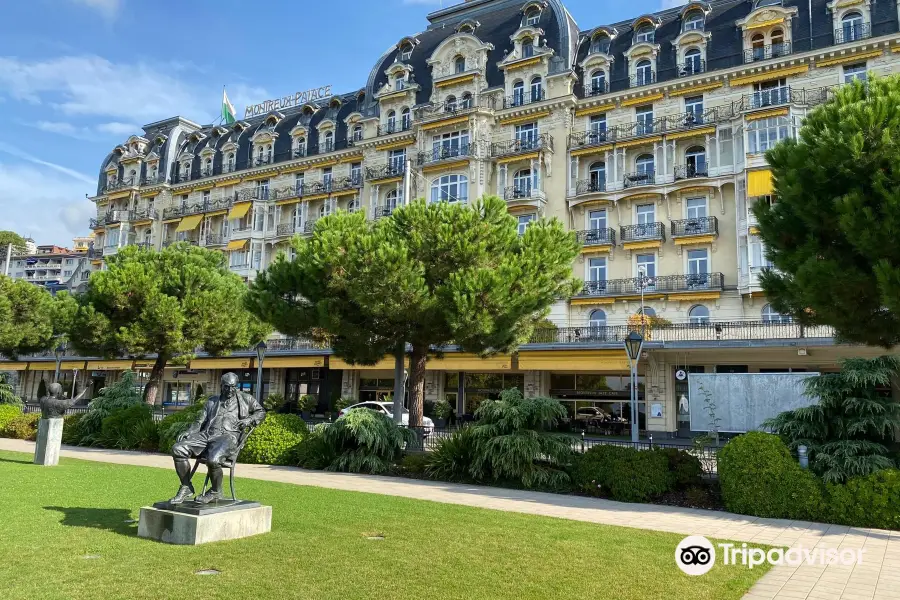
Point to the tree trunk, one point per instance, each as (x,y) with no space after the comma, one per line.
(417,360)
(152,388)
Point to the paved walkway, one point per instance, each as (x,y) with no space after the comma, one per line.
(877,577)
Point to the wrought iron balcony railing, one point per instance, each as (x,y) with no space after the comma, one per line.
(691,67)
(214,239)
(394,127)
(288,229)
(523,98)
(440,110)
(590,186)
(121,183)
(643,231)
(348,182)
(691,171)
(766,52)
(260,161)
(153,179)
(596,89)
(386,171)
(852,33)
(543,141)
(519,192)
(654,285)
(441,153)
(143,214)
(642,78)
(639,178)
(299,152)
(772,97)
(197,208)
(384,211)
(597,237)
(696,226)
(591,137)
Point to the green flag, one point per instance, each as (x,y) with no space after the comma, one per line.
(227,109)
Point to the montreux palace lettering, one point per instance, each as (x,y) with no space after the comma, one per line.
(288,101)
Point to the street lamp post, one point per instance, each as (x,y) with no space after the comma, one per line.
(58,353)
(260,356)
(634,343)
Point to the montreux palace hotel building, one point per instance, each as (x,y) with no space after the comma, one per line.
(646,137)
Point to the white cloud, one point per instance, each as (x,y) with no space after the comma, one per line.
(13,151)
(118,129)
(108,8)
(44,203)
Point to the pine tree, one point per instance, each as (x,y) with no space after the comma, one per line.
(847,433)
(431,275)
(832,234)
(30,318)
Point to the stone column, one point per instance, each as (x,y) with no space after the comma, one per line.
(49,440)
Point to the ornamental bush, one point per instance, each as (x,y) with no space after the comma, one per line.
(623,474)
(871,501)
(365,441)
(8,412)
(685,468)
(175,424)
(452,459)
(313,452)
(129,428)
(22,427)
(759,477)
(71,434)
(121,395)
(275,441)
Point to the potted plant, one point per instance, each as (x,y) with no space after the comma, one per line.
(442,412)
(308,404)
(273,402)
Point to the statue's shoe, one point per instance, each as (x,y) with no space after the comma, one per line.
(184,493)
(210,496)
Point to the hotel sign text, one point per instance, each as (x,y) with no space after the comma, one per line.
(297,99)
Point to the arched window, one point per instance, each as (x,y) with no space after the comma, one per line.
(518,98)
(537,91)
(391,202)
(758,46)
(450,105)
(466,28)
(645,33)
(466,101)
(698,315)
(328,146)
(406,51)
(598,82)
(646,310)
(353,205)
(357,133)
(693,63)
(778,46)
(532,16)
(132,177)
(391,122)
(599,44)
(597,173)
(693,21)
(450,188)
(229,162)
(527,47)
(597,319)
(406,118)
(325,209)
(852,27)
(695,162)
(644,165)
(769,315)
(522,183)
(643,73)
(459,64)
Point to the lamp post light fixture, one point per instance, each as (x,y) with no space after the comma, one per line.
(58,353)
(634,344)
(260,356)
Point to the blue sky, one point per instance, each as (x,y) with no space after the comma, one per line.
(78,77)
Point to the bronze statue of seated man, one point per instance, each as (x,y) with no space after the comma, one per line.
(216,432)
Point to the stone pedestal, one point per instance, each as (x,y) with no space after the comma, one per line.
(191,524)
(49,440)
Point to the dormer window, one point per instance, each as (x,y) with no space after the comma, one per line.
(300,147)
(400,81)
(645,33)
(518,98)
(694,21)
(406,51)
(532,17)
(207,167)
(527,47)
(852,27)
(392,121)
(459,64)
(643,73)
(600,44)
(328,144)
(357,133)
(693,63)
(229,162)
(598,82)
(537,90)
(466,28)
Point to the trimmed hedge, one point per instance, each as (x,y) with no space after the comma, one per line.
(759,477)
(8,412)
(275,441)
(623,474)
(871,501)
(22,427)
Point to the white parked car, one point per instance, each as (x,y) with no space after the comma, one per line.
(387,408)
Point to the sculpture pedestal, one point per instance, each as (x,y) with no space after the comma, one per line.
(49,440)
(193,524)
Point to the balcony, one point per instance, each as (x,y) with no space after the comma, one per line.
(691,171)
(691,67)
(642,78)
(213,239)
(394,127)
(639,179)
(591,137)
(524,98)
(666,284)
(386,171)
(522,192)
(778,96)
(288,229)
(590,186)
(119,184)
(260,193)
(436,111)
(298,152)
(852,33)
(384,211)
(642,232)
(261,161)
(350,182)
(199,207)
(207,172)
(759,53)
(699,226)
(144,214)
(596,89)
(153,180)
(649,127)
(597,237)
(442,153)
(522,145)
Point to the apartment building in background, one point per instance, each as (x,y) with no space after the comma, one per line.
(646,137)
(52,267)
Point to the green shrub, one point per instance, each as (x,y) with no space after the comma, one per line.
(275,441)
(414,465)
(365,441)
(7,392)
(442,409)
(685,468)
(452,459)
(623,474)
(871,501)
(313,452)
(129,428)
(118,396)
(71,434)
(759,477)
(175,424)
(22,427)
(8,412)
(308,403)
(343,402)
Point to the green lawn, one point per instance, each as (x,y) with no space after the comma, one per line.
(64,535)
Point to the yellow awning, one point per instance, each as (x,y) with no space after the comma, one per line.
(586,360)
(236,245)
(384,364)
(13,366)
(42,366)
(66,365)
(759,183)
(469,362)
(189,223)
(291,362)
(109,365)
(221,363)
(239,210)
